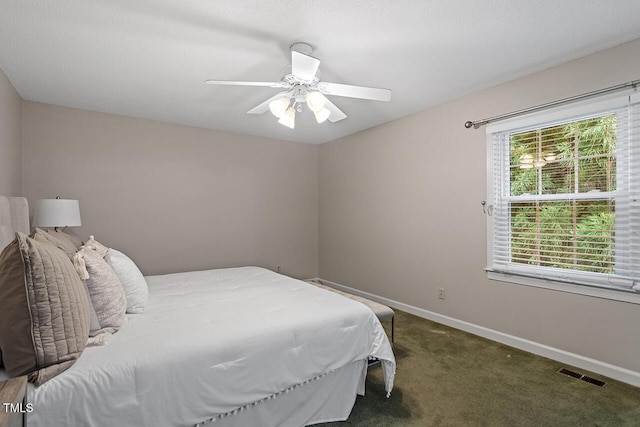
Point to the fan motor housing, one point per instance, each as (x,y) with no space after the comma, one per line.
(302,47)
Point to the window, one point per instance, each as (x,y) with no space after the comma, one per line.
(564,188)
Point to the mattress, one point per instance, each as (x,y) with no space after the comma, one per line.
(211,343)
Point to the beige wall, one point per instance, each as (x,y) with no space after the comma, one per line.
(400,217)
(399,205)
(10,128)
(177,198)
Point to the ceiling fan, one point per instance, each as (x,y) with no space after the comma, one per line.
(302,85)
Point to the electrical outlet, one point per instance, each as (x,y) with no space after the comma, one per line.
(441,293)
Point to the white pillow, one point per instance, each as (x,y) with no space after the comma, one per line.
(133,282)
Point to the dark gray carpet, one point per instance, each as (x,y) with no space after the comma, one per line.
(446,377)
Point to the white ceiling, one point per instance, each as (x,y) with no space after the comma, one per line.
(150,58)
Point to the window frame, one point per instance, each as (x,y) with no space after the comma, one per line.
(571,283)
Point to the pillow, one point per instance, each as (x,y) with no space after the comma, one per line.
(105,290)
(93,244)
(133,282)
(44,310)
(58,239)
(94,324)
(77,241)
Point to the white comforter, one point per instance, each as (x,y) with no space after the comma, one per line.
(210,342)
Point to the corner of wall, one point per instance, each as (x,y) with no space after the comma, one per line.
(10,138)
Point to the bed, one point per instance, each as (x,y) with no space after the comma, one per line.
(233,347)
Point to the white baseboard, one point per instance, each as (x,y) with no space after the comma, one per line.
(612,371)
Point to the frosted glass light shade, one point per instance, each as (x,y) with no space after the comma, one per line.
(315,101)
(288,119)
(322,115)
(279,106)
(57,213)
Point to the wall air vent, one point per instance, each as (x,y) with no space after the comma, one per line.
(582,377)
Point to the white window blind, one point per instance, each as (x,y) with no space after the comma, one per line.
(565,196)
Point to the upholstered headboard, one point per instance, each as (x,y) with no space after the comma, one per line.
(14,216)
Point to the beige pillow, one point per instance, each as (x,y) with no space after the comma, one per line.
(44,310)
(105,290)
(58,239)
(77,241)
(93,244)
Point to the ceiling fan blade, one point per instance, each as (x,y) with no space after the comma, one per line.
(304,66)
(264,107)
(336,113)
(361,92)
(235,83)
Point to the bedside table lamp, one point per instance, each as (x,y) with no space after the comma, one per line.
(57,213)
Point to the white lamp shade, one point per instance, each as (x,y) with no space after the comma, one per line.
(315,101)
(279,106)
(57,213)
(288,119)
(322,115)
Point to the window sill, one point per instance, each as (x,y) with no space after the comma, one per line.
(610,294)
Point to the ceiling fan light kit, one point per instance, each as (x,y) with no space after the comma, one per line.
(315,101)
(288,119)
(322,115)
(279,106)
(303,86)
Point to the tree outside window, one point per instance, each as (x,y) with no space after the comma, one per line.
(561,178)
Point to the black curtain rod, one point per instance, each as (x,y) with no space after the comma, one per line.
(476,124)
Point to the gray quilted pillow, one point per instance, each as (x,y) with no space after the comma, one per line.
(44,310)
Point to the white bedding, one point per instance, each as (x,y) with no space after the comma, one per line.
(210,342)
